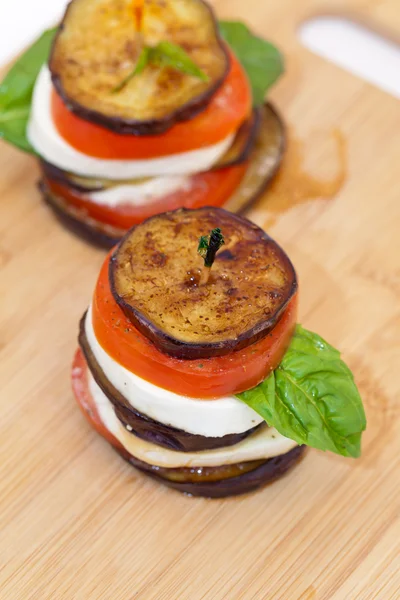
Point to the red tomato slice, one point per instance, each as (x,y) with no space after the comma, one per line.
(212,188)
(228,108)
(84,398)
(209,378)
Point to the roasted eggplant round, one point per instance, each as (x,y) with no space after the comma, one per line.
(155,277)
(264,161)
(220,482)
(98,46)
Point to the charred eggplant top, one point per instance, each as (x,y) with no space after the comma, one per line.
(155,277)
(98,46)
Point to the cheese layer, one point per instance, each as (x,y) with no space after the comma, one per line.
(46,140)
(211,418)
(141,194)
(264,443)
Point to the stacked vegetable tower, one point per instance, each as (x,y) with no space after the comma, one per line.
(142,107)
(191,364)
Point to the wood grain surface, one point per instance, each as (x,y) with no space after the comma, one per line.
(76,522)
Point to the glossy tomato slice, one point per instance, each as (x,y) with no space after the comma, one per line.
(84,398)
(212,188)
(229,107)
(202,378)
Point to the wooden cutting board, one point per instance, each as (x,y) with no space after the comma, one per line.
(76,522)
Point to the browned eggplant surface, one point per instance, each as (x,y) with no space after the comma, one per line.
(155,276)
(97,47)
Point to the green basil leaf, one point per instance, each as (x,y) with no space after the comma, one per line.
(143,61)
(311,397)
(171,55)
(165,54)
(16,92)
(262,60)
(13,129)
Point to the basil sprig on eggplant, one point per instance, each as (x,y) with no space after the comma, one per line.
(262,61)
(311,397)
(88,63)
(252,282)
(165,54)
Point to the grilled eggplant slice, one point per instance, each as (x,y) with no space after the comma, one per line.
(220,482)
(98,46)
(265,160)
(155,277)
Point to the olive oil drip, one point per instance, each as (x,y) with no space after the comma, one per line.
(314,168)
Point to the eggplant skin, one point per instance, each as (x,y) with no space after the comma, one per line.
(264,161)
(145,427)
(244,141)
(97,234)
(269,471)
(155,278)
(85,77)
(78,184)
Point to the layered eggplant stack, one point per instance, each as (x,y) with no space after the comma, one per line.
(171,338)
(142,108)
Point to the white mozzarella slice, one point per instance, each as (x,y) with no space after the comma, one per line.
(47,142)
(141,193)
(264,443)
(211,418)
